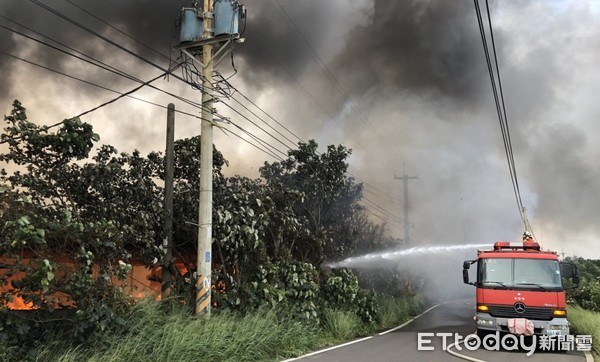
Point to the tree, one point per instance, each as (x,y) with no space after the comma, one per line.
(316,190)
(43,223)
(270,234)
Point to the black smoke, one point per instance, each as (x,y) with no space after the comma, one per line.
(415,71)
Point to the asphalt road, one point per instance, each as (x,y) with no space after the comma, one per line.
(401,344)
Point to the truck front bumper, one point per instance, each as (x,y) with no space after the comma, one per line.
(553,327)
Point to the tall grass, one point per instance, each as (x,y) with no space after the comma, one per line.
(177,336)
(152,334)
(586,322)
(394,311)
(341,325)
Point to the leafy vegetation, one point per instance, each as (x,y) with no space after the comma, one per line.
(587,295)
(73,219)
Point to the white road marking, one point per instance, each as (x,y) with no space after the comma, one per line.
(462,356)
(362,339)
(588,355)
(408,321)
(327,349)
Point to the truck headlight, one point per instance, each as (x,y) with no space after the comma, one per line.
(558,327)
(485,322)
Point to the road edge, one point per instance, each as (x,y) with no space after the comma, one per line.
(361,339)
(409,321)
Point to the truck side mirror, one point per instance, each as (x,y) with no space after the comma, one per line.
(570,271)
(466,276)
(466,267)
(575,276)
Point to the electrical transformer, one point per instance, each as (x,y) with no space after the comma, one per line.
(226,18)
(191,25)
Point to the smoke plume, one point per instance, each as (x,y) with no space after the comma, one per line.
(403,83)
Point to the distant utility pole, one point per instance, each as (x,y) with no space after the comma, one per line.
(168,241)
(196,44)
(405,179)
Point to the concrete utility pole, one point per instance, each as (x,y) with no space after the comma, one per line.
(168,242)
(195,45)
(203,283)
(405,179)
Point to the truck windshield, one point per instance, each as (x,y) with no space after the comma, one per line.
(534,274)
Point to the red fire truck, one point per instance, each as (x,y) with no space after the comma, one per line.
(520,283)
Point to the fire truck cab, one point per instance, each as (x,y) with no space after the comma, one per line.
(520,282)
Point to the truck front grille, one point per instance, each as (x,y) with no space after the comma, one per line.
(502,311)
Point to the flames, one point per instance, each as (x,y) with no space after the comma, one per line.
(139,283)
(18,303)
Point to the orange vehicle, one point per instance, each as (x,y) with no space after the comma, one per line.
(518,283)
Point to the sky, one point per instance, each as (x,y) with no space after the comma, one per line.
(404,84)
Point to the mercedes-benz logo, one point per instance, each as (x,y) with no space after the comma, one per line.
(519,307)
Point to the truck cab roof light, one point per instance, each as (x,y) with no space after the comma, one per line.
(500,245)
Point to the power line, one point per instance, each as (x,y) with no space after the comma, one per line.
(514,169)
(385,220)
(105,66)
(87,29)
(96,34)
(255,115)
(252,144)
(151,48)
(90,60)
(500,104)
(195,73)
(381,209)
(121,95)
(76,23)
(117,29)
(267,114)
(244,96)
(128,94)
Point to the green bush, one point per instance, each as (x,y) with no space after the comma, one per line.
(290,288)
(587,295)
(341,291)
